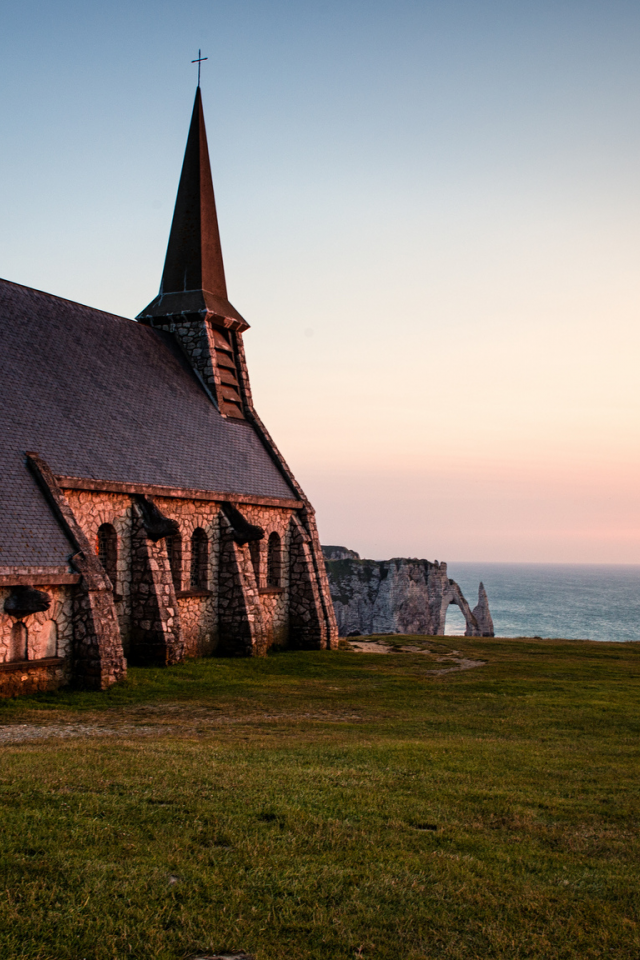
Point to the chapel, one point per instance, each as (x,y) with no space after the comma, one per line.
(146,515)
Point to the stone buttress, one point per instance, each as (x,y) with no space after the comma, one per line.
(98,659)
(156,637)
(241,624)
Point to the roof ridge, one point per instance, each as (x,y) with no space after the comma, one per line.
(75,303)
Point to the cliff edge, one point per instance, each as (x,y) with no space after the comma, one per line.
(402,595)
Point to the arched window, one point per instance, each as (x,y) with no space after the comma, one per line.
(108,551)
(19,642)
(273,561)
(254,551)
(199,559)
(174,550)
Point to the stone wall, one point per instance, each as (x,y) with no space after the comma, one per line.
(155,635)
(38,676)
(237,609)
(198,609)
(49,645)
(49,634)
(91,510)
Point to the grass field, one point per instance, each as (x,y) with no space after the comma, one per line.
(330,805)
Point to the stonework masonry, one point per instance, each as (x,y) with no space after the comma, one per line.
(155,637)
(97,657)
(196,338)
(154,614)
(49,640)
(242,631)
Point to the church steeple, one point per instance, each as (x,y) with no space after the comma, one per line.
(193,280)
(194,256)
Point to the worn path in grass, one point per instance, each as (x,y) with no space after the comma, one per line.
(330,805)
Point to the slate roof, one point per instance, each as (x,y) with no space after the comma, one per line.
(103,397)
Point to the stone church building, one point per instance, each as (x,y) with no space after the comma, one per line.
(146,515)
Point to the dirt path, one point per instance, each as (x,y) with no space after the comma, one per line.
(24,732)
(199,722)
(455,660)
(195,720)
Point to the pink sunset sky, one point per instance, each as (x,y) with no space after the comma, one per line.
(430,215)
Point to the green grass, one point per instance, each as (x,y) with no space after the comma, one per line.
(332,805)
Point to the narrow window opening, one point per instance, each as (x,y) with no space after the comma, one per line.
(274,561)
(254,550)
(19,649)
(108,552)
(50,638)
(174,550)
(199,559)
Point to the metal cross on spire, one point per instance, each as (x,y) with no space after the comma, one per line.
(199,61)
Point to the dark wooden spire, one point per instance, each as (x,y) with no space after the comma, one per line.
(194,256)
(193,279)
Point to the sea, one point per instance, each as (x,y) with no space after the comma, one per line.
(572,601)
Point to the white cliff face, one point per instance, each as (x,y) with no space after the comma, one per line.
(483,614)
(397,596)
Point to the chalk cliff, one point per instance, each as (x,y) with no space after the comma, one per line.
(403,595)
(483,614)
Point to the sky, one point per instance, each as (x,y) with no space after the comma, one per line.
(430,216)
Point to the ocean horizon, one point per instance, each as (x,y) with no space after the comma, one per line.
(553,600)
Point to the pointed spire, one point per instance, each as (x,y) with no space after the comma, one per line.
(193,279)
(194,255)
